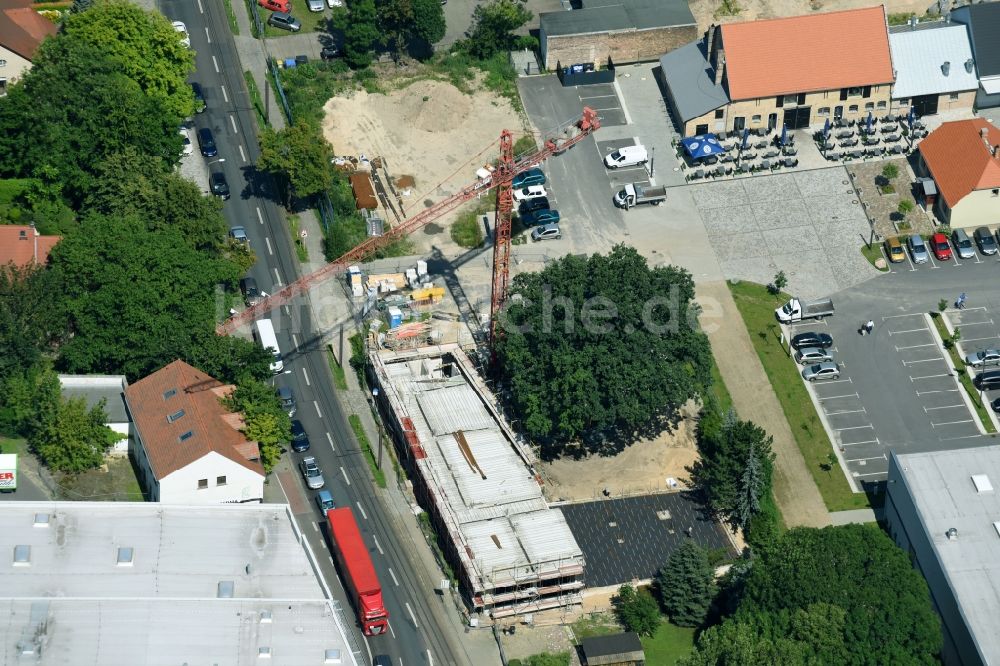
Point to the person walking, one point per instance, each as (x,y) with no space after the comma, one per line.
(960,303)
(870,326)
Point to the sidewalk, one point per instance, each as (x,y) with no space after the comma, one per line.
(253,59)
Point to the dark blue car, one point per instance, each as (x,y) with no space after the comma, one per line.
(539,217)
(528,205)
(528,178)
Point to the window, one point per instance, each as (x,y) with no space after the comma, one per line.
(202,484)
(855,92)
(126,556)
(853,108)
(869,106)
(186,436)
(332,656)
(953,97)
(904,102)
(996,193)
(719,113)
(220,480)
(175,416)
(3,63)
(823,111)
(755,119)
(167,395)
(22,556)
(263,653)
(790,99)
(881,105)
(225,589)
(41,520)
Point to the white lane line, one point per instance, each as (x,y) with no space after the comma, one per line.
(846,411)
(332,447)
(391,631)
(393,574)
(913,379)
(922,360)
(225,95)
(628,120)
(318,413)
(277,278)
(362,510)
(260,216)
(216,63)
(315,527)
(855,427)
(268,241)
(329,557)
(881,457)
(947,423)
(232,121)
(413,617)
(207,35)
(344,472)
(846,395)
(306,376)
(938,391)
(929,344)
(201,10)
(909,330)
(243,156)
(951,439)
(378,545)
(295,342)
(927,409)
(867,441)
(868,474)
(430,657)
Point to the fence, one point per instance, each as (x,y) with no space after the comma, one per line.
(569,77)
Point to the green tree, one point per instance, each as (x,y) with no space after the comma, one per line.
(229,359)
(411,24)
(361,32)
(601,345)
(890,171)
(32,317)
(299,157)
(905,208)
(428,21)
(493,25)
(81,6)
(266,422)
(144,45)
(636,609)
(687,585)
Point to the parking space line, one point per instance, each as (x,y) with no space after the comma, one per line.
(869,473)
(595,96)
(909,330)
(846,395)
(961,322)
(847,411)
(952,439)
(923,360)
(947,374)
(947,423)
(867,441)
(855,427)
(913,314)
(989,337)
(939,391)
(621,101)
(929,344)
(881,457)
(927,409)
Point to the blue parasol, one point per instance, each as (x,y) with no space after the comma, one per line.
(746,138)
(702,146)
(784,134)
(911,118)
(826,129)
(868,123)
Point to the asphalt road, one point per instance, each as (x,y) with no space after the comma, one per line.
(417,635)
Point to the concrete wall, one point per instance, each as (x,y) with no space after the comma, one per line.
(963,101)
(14,68)
(150,485)
(622,47)
(240,485)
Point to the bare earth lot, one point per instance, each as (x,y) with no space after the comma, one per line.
(750,10)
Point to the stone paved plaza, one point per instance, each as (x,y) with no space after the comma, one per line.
(808,224)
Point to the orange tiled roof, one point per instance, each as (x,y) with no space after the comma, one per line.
(959,159)
(212,427)
(23,245)
(807,53)
(22,29)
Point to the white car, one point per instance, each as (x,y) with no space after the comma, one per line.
(315,5)
(183,32)
(530,192)
(335,3)
(188,147)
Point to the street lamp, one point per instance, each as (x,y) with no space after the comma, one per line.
(377,427)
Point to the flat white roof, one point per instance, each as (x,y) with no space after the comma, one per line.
(918,57)
(945,495)
(205,584)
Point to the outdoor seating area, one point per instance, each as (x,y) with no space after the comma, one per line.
(871,138)
(710,156)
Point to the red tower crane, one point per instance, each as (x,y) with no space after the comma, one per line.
(566,137)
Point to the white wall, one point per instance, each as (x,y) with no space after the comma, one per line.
(14,68)
(242,484)
(976,209)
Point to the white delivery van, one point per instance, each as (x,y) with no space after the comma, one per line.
(263,333)
(626,157)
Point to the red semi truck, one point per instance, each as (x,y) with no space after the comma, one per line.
(359,574)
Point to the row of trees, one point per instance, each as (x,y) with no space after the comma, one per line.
(144,269)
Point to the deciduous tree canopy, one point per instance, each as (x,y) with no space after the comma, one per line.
(299,156)
(493,26)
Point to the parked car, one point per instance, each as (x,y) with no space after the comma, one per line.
(984,239)
(182,30)
(828,370)
(995,405)
(220,187)
(939,244)
(546,232)
(329,53)
(199,98)
(187,148)
(287,399)
(528,205)
(251,294)
(285,21)
(239,234)
(962,243)
(812,339)
(529,177)
(312,474)
(987,381)
(539,217)
(315,5)
(207,142)
(812,355)
(300,440)
(384,659)
(894,250)
(335,3)
(918,249)
(530,192)
(984,357)
(276,5)
(324,500)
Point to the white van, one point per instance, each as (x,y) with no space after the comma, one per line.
(263,333)
(626,157)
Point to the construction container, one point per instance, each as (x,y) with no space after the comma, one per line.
(395,317)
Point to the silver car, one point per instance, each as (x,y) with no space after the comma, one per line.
(315,5)
(546,232)
(312,473)
(239,234)
(963,245)
(984,357)
(828,370)
(812,355)
(918,248)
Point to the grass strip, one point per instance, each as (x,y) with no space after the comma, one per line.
(301,251)
(339,377)
(233,25)
(255,99)
(872,254)
(366,447)
(757,306)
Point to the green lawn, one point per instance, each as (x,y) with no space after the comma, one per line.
(719,389)
(339,378)
(311,21)
(757,307)
(874,253)
(668,644)
(598,624)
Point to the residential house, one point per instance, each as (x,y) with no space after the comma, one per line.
(22,29)
(963,159)
(613,650)
(983,23)
(797,72)
(23,245)
(186,444)
(624,30)
(943,509)
(110,389)
(935,71)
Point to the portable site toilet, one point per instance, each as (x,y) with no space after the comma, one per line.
(395,317)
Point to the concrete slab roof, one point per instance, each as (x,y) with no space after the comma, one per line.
(919,56)
(598,16)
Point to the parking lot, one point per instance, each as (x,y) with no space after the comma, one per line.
(980,329)
(603,98)
(933,263)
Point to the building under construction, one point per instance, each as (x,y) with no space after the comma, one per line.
(511,552)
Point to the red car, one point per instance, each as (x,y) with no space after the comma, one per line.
(941,247)
(276,5)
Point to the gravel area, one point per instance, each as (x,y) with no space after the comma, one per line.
(881,208)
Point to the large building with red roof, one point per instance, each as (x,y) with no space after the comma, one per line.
(963,158)
(22,30)
(187,445)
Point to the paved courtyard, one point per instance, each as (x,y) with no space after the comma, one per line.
(808,224)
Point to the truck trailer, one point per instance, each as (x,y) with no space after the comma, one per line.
(797,309)
(8,472)
(357,571)
(635,194)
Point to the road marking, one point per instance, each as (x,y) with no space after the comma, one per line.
(430,657)
(295,342)
(881,457)
(855,427)
(318,413)
(962,322)
(243,156)
(913,379)
(914,314)
(260,216)
(201,10)
(965,339)
(304,374)
(951,439)
(225,95)
(595,96)
(232,121)
(867,441)
(216,63)
(334,448)
(922,360)
(909,330)
(391,630)
(868,474)
(929,344)
(378,545)
(277,278)
(938,391)
(846,395)
(207,35)
(344,472)
(927,409)
(947,423)
(330,557)
(362,510)
(838,381)
(393,575)
(412,617)
(315,526)
(268,241)
(628,121)
(847,411)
